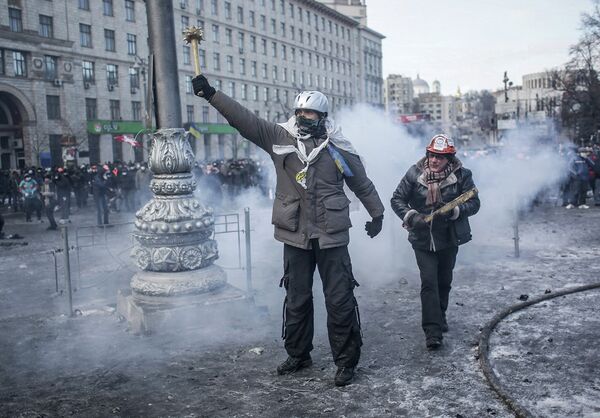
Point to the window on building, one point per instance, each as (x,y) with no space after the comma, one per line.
(216,61)
(214,7)
(241,39)
(240,15)
(15,19)
(189,111)
(230,63)
(185,22)
(53,107)
(85,35)
(253,69)
(252,43)
(242,66)
(264,71)
(252,18)
(186,55)
(189,89)
(199,6)
(263,23)
(228,37)
(284,75)
(112,74)
(205,114)
(134,78)
(255,93)
(131,44)
(244,91)
(107,7)
(136,110)
(46,29)
(50,67)
(88,72)
(130,10)
(109,40)
(232,89)
(263,44)
(274,49)
(282,29)
(227,10)
(19,64)
(84,4)
(2,67)
(91,109)
(215,33)
(266,94)
(115,109)
(274,73)
(273,27)
(202,55)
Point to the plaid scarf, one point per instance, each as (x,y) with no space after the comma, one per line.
(433,179)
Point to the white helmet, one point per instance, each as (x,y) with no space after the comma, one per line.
(312,100)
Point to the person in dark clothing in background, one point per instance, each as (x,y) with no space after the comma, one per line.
(63,184)
(313,161)
(127,184)
(101,187)
(433,181)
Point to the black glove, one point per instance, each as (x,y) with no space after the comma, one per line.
(417,221)
(202,88)
(374,226)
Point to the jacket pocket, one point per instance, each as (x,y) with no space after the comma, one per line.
(286,212)
(337,214)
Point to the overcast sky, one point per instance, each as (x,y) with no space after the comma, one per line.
(470,43)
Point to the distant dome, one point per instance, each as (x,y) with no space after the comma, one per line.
(437,87)
(420,86)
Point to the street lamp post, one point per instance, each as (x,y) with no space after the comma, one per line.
(140,66)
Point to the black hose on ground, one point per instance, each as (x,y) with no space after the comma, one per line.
(484,346)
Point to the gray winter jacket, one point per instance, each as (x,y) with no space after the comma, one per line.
(411,195)
(321,210)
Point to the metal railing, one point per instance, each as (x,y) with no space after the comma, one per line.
(91,236)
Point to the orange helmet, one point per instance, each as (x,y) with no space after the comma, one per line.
(441,144)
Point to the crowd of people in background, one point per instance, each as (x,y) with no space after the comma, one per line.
(114,187)
(583,178)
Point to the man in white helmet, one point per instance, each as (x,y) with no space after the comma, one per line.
(312,161)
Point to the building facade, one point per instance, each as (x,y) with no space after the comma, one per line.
(74,73)
(399,95)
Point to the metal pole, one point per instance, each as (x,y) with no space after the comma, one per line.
(248,251)
(161,34)
(65,235)
(78,283)
(55,271)
(516,233)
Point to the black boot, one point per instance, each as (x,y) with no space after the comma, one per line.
(433,343)
(344,376)
(293,364)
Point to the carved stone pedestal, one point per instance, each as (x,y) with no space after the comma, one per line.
(156,314)
(173,247)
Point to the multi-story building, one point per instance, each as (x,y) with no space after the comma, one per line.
(368,52)
(262,53)
(67,79)
(399,95)
(74,73)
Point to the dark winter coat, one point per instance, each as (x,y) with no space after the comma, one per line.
(322,209)
(411,195)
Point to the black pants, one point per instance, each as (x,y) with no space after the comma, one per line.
(32,204)
(101,209)
(436,280)
(343,322)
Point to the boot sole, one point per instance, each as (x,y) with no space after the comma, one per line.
(302,365)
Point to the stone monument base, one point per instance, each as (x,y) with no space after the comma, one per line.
(169,307)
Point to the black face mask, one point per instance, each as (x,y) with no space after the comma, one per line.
(313,127)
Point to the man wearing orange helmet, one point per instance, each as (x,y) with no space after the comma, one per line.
(433,181)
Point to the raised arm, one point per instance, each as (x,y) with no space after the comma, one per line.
(257,130)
